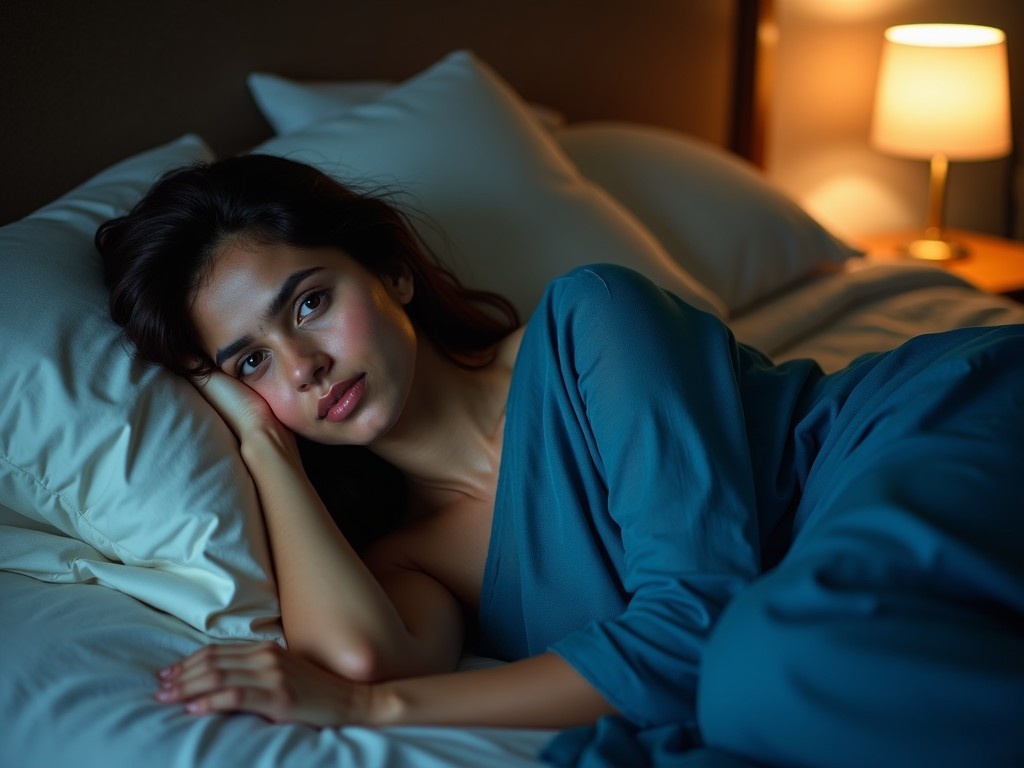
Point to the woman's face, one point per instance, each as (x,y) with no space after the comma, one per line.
(324,341)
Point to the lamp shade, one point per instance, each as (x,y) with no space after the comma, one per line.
(943,89)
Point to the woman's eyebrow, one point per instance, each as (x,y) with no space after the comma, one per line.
(284,294)
(286,290)
(226,353)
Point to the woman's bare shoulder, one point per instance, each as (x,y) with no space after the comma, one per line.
(448,544)
(508,348)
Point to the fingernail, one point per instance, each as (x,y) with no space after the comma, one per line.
(165,694)
(166,672)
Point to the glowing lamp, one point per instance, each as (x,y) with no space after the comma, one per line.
(943,94)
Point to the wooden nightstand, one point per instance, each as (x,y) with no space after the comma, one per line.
(993,264)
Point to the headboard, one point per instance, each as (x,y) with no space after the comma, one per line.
(86,84)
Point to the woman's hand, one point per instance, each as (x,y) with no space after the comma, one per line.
(267,680)
(282,686)
(247,413)
(240,406)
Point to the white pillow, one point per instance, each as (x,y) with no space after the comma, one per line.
(290,105)
(713,212)
(457,144)
(113,471)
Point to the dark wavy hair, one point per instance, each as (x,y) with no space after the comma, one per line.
(156,257)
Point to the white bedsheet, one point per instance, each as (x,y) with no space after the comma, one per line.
(77,665)
(867,308)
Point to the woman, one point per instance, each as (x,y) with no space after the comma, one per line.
(647,519)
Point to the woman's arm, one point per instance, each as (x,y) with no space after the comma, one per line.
(333,609)
(540,692)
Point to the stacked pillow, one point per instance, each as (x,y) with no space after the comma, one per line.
(289,106)
(503,206)
(711,212)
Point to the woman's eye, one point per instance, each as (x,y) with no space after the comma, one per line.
(310,304)
(249,364)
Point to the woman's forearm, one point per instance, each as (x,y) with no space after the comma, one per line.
(283,686)
(540,692)
(333,609)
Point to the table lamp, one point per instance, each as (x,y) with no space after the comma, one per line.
(943,94)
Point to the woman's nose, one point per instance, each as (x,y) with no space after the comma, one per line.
(307,367)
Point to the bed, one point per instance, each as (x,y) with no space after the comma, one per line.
(129,530)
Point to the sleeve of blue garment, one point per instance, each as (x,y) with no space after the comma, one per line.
(657,383)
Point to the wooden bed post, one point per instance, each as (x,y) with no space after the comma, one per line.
(756,36)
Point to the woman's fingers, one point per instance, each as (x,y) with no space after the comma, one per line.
(219,674)
(255,700)
(241,696)
(265,679)
(237,655)
(240,406)
(208,682)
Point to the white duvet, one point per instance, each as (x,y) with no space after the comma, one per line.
(867,307)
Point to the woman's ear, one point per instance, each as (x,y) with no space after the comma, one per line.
(400,284)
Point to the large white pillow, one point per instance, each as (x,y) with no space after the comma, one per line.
(114,471)
(712,211)
(457,144)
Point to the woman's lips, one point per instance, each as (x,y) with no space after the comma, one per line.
(342,399)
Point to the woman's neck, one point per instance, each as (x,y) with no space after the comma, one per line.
(448,439)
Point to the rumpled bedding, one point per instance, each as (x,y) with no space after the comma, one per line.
(78,665)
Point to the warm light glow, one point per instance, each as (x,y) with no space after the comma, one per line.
(854,203)
(848,10)
(943,89)
(945,35)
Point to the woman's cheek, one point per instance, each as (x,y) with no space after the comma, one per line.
(285,407)
(289,414)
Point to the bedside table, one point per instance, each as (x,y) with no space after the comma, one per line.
(992,264)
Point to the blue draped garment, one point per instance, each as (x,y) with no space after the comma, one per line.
(757,561)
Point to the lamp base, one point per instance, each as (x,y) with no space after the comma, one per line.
(929,249)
